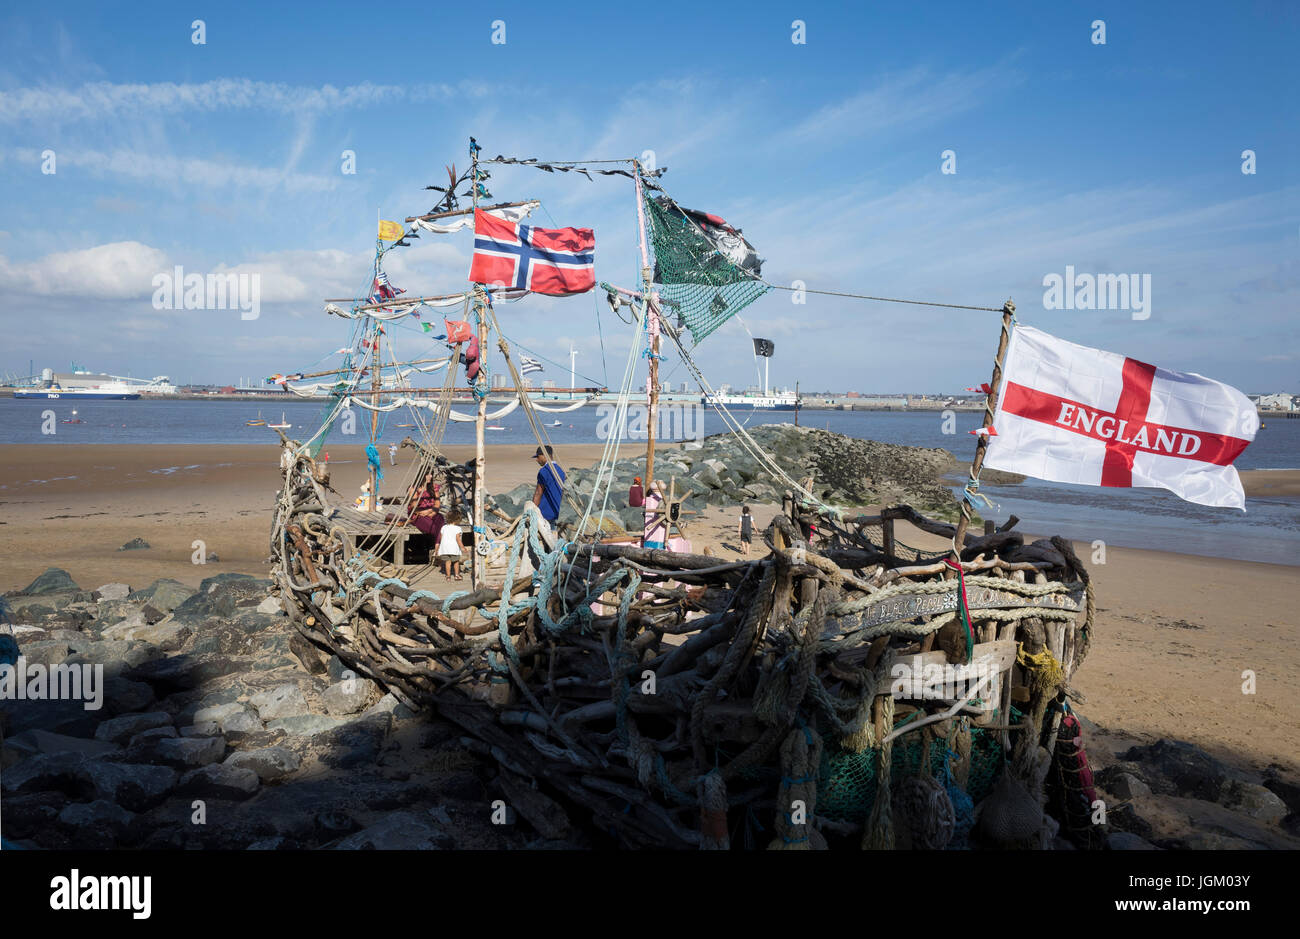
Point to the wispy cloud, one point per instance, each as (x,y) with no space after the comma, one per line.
(913,98)
(192,171)
(99,100)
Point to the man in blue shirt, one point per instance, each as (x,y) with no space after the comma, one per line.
(550,485)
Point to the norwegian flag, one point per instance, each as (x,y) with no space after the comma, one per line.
(1072,414)
(554,261)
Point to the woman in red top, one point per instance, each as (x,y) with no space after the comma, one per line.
(426,511)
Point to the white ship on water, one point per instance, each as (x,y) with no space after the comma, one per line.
(83,385)
(773,400)
(768,399)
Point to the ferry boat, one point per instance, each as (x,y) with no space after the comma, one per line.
(111,391)
(770,401)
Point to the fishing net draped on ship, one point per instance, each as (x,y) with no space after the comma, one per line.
(841,689)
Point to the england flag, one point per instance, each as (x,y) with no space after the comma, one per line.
(554,261)
(1072,414)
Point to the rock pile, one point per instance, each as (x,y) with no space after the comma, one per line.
(1173,795)
(719,470)
(209,696)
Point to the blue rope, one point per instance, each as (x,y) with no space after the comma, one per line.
(666,784)
(451,597)
(372,458)
(963,808)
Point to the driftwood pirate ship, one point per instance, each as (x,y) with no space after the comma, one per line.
(844,691)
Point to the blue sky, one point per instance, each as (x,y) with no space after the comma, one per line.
(1115,158)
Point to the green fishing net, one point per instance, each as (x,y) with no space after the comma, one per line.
(696,281)
(846,789)
(328,416)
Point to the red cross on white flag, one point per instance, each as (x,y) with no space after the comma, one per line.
(1071,414)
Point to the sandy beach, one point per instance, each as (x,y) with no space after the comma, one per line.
(1175,633)
(1271,482)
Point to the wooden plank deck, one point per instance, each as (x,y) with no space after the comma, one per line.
(361,524)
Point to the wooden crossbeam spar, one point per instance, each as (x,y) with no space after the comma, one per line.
(437,391)
(407,301)
(455,212)
(386,365)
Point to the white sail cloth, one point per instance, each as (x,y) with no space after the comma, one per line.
(316,388)
(452,413)
(568,407)
(513,213)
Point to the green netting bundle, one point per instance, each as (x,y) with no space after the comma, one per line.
(326,421)
(705,273)
(847,781)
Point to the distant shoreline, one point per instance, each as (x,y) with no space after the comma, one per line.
(846,404)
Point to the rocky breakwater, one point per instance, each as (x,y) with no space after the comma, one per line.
(1172,795)
(206,721)
(721,471)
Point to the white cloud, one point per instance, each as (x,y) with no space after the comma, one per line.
(119,270)
(125,270)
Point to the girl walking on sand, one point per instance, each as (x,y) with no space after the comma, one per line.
(745,528)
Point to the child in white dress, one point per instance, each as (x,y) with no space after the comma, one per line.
(449,550)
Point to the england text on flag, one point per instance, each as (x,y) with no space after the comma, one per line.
(1072,414)
(529,364)
(554,261)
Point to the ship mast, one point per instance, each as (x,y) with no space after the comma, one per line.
(372,502)
(477,560)
(652,323)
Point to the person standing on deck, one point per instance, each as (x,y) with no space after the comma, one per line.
(550,485)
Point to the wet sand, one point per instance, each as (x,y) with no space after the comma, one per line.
(1271,482)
